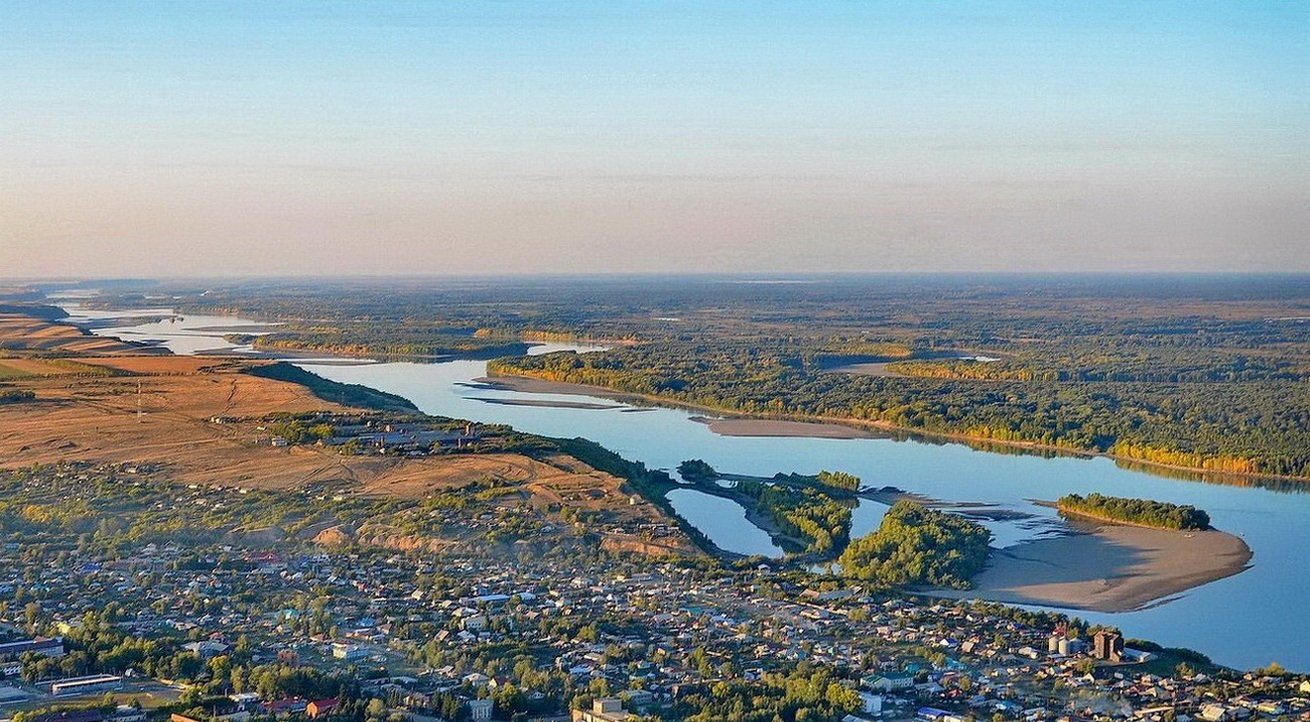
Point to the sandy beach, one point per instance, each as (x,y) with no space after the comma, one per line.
(1108,568)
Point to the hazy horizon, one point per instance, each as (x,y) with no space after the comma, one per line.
(780,278)
(276,139)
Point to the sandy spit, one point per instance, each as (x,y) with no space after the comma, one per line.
(1108,568)
(773,427)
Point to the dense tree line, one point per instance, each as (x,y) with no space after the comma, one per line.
(299,431)
(1136,511)
(97,646)
(918,545)
(1110,360)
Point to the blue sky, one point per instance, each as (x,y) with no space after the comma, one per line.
(399,137)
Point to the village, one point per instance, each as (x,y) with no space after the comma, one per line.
(597,638)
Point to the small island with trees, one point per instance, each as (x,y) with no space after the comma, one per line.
(1142,512)
(916,545)
(696,470)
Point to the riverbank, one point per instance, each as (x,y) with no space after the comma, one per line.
(1108,567)
(785,427)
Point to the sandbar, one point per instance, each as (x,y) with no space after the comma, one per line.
(866,369)
(546,404)
(776,427)
(1107,567)
(527,385)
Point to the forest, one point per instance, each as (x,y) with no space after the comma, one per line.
(1135,511)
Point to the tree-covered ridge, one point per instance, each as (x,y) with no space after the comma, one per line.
(918,545)
(1135,511)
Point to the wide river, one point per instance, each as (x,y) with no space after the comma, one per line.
(1251,619)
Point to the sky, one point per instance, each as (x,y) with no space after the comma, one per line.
(315,137)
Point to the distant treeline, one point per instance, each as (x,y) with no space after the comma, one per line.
(354,338)
(1130,364)
(1135,511)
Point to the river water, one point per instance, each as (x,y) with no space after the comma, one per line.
(1251,619)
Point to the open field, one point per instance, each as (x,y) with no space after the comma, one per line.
(1108,568)
(28,334)
(157,410)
